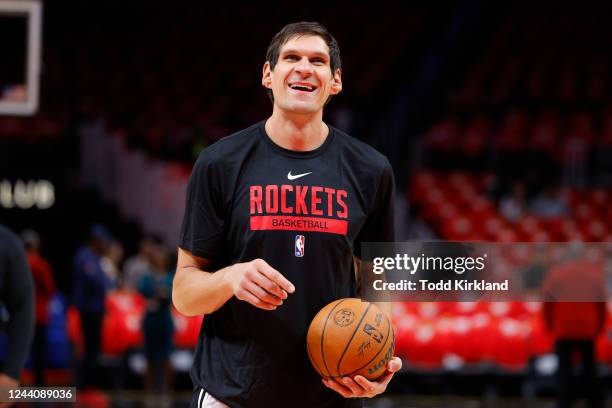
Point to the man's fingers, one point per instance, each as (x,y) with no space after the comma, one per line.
(274,275)
(385,379)
(395,364)
(356,389)
(268,285)
(359,386)
(368,386)
(244,294)
(339,388)
(263,295)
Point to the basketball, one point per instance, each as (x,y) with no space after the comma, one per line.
(350,337)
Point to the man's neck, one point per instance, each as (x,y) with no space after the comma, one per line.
(297,132)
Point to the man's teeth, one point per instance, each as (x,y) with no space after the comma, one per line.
(302,88)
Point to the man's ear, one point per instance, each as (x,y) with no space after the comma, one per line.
(266,78)
(336,87)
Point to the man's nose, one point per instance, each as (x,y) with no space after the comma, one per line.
(304,66)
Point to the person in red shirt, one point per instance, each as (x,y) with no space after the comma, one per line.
(575,323)
(45,289)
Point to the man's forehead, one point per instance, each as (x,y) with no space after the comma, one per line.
(306,43)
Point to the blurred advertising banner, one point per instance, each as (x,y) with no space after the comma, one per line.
(475,271)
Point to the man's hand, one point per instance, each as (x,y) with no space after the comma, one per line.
(361,387)
(8,382)
(259,284)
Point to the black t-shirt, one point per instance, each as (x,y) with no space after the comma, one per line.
(17,295)
(306,214)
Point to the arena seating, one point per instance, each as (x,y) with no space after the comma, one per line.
(172,88)
(457,205)
(121,330)
(503,336)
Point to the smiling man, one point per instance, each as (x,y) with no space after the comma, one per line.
(275,215)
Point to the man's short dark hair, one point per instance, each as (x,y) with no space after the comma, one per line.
(300,29)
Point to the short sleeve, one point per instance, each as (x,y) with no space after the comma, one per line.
(202,231)
(379,225)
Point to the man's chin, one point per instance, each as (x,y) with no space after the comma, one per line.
(303,108)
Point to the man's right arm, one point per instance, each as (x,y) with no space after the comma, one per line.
(196,291)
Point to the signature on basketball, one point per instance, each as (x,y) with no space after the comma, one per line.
(364,346)
(344,317)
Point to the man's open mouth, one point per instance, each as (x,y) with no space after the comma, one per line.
(302,87)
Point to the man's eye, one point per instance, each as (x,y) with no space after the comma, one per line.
(318,61)
(291,57)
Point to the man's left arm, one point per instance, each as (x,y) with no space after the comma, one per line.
(378,228)
(359,386)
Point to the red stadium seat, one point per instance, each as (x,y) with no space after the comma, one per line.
(594,230)
(493,225)
(541,342)
(510,348)
(436,206)
(529,224)
(607,217)
(583,212)
(458,229)
(506,235)
(604,341)
(482,208)
(554,227)
(474,139)
(544,134)
(122,325)
(121,331)
(429,310)
(500,309)
(122,301)
(186,330)
(75,330)
(114,335)
(459,180)
(404,326)
(600,198)
(428,345)
(466,308)
(442,136)
(467,337)
(571,233)
(91,398)
(511,135)
(539,236)
(526,310)
(422,183)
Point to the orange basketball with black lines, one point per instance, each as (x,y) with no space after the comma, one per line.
(350,337)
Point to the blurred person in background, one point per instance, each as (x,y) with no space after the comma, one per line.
(139,264)
(549,204)
(513,205)
(111,263)
(158,327)
(17,297)
(90,286)
(575,323)
(45,290)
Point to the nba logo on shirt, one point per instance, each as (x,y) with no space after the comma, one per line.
(299,245)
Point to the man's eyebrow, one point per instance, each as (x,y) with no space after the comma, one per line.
(314,53)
